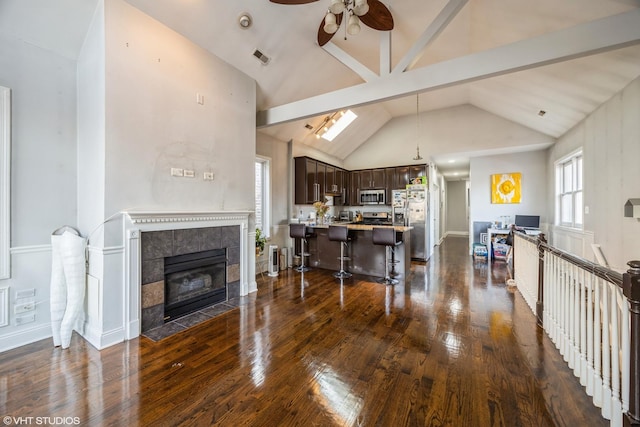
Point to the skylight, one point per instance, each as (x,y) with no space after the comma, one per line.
(343,121)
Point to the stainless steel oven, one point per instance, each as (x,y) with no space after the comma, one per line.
(372,197)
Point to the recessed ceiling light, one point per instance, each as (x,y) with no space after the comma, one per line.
(452,161)
(245,21)
(455,174)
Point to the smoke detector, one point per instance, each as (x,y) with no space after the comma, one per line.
(245,21)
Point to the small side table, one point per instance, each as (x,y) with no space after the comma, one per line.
(261,262)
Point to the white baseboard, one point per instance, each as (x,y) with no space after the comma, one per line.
(253,286)
(456,233)
(102,340)
(25,336)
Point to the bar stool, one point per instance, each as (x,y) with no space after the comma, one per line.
(386,236)
(299,231)
(340,233)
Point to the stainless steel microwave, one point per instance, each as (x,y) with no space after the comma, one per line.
(372,197)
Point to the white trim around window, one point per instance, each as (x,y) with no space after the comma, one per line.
(263,200)
(569,191)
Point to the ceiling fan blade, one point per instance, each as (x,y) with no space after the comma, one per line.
(323,36)
(292,1)
(378,17)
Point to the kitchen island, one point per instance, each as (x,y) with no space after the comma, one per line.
(366,258)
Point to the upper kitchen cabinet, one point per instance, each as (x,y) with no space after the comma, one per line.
(308,187)
(314,180)
(330,179)
(372,178)
(417,170)
(354,188)
(401,177)
(390,179)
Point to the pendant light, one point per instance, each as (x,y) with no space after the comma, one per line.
(418,156)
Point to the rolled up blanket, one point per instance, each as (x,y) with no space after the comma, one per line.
(68,273)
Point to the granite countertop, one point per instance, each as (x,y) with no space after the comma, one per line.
(362,227)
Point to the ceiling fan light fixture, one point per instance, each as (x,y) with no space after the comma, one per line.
(354,25)
(337,7)
(361,7)
(330,25)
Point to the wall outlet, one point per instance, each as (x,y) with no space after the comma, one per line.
(24,307)
(177,172)
(208,176)
(26,293)
(189,173)
(21,320)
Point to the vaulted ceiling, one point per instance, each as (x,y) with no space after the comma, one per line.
(511,58)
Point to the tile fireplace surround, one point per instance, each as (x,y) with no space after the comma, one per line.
(151,236)
(158,245)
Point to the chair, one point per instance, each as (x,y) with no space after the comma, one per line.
(299,231)
(340,233)
(387,236)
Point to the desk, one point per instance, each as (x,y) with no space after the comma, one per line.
(497,232)
(493,232)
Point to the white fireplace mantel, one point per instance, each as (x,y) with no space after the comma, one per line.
(174,219)
(144,221)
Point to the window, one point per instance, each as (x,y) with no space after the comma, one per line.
(262,195)
(569,191)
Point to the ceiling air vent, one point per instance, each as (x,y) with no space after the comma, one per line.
(262,57)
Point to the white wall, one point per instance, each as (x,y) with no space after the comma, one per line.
(43,172)
(445,131)
(535,197)
(610,139)
(278,154)
(152,123)
(138,116)
(457,207)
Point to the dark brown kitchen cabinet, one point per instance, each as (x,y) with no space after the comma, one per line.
(401,177)
(372,178)
(354,188)
(390,179)
(309,184)
(417,170)
(330,179)
(315,179)
(341,183)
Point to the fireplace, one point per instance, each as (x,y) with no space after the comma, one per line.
(194,281)
(211,253)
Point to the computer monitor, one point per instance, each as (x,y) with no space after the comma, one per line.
(527,221)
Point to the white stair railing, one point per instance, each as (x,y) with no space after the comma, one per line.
(585,314)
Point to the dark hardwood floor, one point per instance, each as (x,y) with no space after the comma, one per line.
(454,347)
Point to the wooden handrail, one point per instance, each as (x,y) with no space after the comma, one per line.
(629,283)
(631,289)
(598,270)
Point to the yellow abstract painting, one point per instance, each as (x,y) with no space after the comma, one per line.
(506,187)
